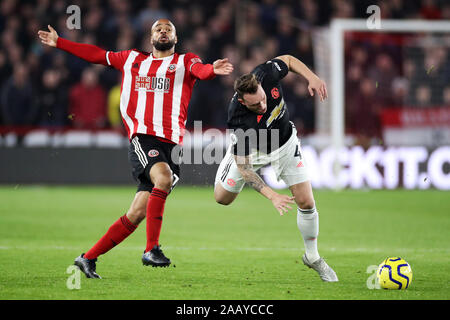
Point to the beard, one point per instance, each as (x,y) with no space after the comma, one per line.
(163,46)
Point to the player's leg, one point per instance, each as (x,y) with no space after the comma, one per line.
(118,231)
(138,208)
(307,218)
(308,224)
(294,172)
(223,196)
(161,177)
(228,182)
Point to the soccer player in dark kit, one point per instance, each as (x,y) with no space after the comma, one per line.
(156,90)
(256,111)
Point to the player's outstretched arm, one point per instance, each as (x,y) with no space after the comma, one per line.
(222,67)
(315,83)
(208,71)
(88,52)
(49,38)
(280,201)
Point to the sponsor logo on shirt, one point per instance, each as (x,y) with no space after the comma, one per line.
(152,84)
(276,113)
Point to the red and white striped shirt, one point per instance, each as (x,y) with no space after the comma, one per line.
(155,92)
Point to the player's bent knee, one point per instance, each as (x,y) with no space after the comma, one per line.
(223,202)
(305,203)
(161,176)
(223,197)
(220,199)
(164,182)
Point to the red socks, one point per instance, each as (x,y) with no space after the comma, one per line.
(155,210)
(120,229)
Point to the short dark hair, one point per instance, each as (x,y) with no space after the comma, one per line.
(246,83)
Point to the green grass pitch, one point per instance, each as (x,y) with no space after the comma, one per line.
(243,251)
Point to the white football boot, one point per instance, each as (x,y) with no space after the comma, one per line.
(323,269)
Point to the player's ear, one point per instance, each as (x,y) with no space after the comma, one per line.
(176,39)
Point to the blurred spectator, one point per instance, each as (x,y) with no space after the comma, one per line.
(149,15)
(382,73)
(18,99)
(87,102)
(5,68)
(429,10)
(446,11)
(400,92)
(286,36)
(300,104)
(268,15)
(303,49)
(114,117)
(309,11)
(446,96)
(342,8)
(423,96)
(52,100)
(363,112)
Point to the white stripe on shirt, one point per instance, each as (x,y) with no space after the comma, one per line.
(176,98)
(126,90)
(142,96)
(158,102)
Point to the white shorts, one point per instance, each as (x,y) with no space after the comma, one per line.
(287,161)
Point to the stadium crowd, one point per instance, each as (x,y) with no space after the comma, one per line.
(44,87)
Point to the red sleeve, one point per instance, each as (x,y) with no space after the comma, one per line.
(87,52)
(117,59)
(197,69)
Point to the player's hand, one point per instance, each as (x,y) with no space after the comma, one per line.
(49,38)
(281,202)
(222,67)
(318,85)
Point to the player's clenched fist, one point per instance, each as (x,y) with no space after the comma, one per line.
(48,38)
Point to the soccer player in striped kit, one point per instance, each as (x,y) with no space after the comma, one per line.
(156,89)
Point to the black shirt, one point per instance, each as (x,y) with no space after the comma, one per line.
(269,131)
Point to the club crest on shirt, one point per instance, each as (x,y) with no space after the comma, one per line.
(172,68)
(153,153)
(275,93)
(231,182)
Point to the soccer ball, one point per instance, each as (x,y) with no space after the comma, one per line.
(394,273)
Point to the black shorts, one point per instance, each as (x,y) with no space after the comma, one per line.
(146,150)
